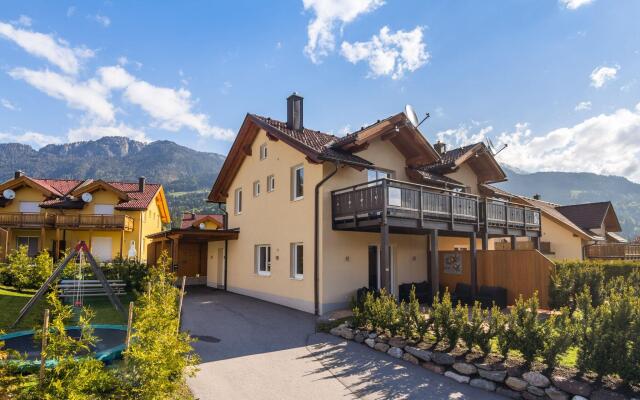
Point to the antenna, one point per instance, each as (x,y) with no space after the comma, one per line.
(492,149)
(413,117)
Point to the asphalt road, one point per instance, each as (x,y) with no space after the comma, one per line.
(252,349)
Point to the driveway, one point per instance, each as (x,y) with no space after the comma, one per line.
(252,349)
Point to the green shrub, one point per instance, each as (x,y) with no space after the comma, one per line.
(525,331)
(473,330)
(559,332)
(159,356)
(419,321)
(448,321)
(23,272)
(496,327)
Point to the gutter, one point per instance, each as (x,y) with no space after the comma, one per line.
(316,239)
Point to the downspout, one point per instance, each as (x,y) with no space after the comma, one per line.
(225,226)
(316,239)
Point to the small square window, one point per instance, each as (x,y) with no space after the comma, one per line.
(263,151)
(256,188)
(297,260)
(263,259)
(238,201)
(271,183)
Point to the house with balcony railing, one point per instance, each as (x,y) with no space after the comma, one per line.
(317,217)
(112,217)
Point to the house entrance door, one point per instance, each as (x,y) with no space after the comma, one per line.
(374,268)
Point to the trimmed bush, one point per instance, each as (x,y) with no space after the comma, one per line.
(23,272)
(559,332)
(474,328)
(448,322)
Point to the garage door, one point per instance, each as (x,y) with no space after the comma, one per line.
(101,248)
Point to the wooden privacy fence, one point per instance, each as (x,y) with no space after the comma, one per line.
(613,251)
(4,243)
(519,271)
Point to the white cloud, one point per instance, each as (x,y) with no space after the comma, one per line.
(35,139)
(389,54)
(171,108)
(575,4)
(583,106)
(71,11)
(45,46)
(93,132)
(101,19)
(629,85)
(9,105)
(605,144)
(23,20)
(88,96)
(328,13)
(602,75)
(464,134)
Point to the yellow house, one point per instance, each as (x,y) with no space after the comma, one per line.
(113,218)
(318,216)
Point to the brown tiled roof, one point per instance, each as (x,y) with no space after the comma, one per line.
(350,137)
(59,187)
(437,178)
(448,159)
(189,219)
(586,216)
(137,200)
(317,142)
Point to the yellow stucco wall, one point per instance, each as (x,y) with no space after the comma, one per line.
(145,223)
(464,174)
(215,264)
(565,245)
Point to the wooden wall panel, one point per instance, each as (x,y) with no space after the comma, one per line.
(519,271)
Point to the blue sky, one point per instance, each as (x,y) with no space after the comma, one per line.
(556,80)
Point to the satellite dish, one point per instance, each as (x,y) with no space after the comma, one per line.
(411,114)
(87,197)
(202,225)
(9,194)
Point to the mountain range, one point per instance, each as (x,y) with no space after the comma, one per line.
(187,174)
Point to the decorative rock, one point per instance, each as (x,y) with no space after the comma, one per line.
(536,379)
(516,384)
(529,396)
(360,337)
(582,389)
(535,390)
(556,394)
(397,341)
(433,367)
(382,339)
(370,342)
(456,377)
(604,394)
(442,358)
(424,355)
(373,335)
(507,393)
(395,352)
(465,369)
(490,367)
(578,397)
(496,376)
(383,347)
(483,384)
(410,358)
(337,331)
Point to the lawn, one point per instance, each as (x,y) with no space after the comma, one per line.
(12,301)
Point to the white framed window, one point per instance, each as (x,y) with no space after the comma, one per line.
(103,209)
(271,183)
(297,260)
(263,151)
(256,188)
(238,201)
(297,183)
(263,259)
(31,242)
(375,174)
(29,207)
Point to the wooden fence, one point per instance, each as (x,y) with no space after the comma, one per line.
(519,271)
(4,243)
(613,251)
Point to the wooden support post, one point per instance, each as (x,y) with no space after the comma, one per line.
(175,249)
(122,244)
(385,268)
(43,349)
(536,243)
(513,242)
(474,265)
(129,324)
(43,236)
(57,255)
(485,240)
(184,281)
(6,244)
(435,269)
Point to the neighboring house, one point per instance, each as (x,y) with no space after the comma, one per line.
(319,216)
(201,221)
(113,218)
(566,230)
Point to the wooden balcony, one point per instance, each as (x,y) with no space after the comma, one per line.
(71,221)
(411,207)
(613,251)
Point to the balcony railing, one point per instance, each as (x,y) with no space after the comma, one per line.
(612,251)
(405,201)
(71,221)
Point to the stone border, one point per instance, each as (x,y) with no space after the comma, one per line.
(530,385)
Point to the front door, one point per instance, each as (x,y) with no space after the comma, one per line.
(374,268)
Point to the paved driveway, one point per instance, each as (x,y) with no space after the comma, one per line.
(252,349)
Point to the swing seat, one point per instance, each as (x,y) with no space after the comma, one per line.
(90,288)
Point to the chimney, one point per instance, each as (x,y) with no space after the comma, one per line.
(536,196)
(440,147)
(141,183)
(18,174)
(294,112)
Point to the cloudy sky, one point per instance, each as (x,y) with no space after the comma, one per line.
(556,80)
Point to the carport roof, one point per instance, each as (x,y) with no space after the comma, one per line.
(197,234)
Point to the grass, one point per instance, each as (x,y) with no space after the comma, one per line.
(12,301)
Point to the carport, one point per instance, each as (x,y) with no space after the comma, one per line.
(189,251)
